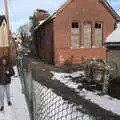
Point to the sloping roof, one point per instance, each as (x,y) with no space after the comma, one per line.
(104,2)
(110,9)
(2,17)
(114,37)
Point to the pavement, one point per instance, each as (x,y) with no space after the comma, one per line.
(19,109)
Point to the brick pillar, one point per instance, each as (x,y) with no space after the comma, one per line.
(81,35)
(93,35)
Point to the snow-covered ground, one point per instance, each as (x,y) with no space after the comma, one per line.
(18,110)
(104,101)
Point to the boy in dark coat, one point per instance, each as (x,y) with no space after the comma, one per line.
(6,71)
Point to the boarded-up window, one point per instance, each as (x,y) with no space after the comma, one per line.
(75,35)
(87,35)
(98,34)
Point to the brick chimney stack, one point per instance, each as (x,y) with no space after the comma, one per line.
(41,14)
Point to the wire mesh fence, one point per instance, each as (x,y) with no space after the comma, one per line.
(45,104)
(49,106)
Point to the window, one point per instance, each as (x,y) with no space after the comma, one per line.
(75,35)
(75,25)
(98,26)
(87,29)
(98,34)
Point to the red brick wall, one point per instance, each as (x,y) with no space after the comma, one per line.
(11,52)
(78,56)
(13,55)
(80,11)
(4,51)
(46,52)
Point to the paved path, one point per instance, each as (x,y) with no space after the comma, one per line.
(18,111)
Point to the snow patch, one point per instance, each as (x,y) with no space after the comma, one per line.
(66,78)
(114,37)
(105,102)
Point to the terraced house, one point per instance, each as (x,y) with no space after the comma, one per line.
(76,31)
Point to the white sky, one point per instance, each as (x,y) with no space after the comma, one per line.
(20,10)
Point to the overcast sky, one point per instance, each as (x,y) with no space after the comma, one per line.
(20,10)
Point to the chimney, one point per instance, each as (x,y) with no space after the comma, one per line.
(41,14)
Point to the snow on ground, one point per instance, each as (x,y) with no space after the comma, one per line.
(106,102)
(66,78)
(18,110)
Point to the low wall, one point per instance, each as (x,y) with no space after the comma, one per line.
(77,56)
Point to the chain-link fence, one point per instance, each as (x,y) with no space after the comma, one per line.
(49,106)
(26,81)
(46,103)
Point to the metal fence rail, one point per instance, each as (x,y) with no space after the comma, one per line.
(45,104)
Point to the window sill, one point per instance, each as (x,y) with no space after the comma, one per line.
(82,47)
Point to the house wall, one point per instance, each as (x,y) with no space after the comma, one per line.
(5,48)
(44,42)
(113,57)
(4,43)
(81,11)
(4,35)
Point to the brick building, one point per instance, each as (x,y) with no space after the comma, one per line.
(41,14)
(75,32)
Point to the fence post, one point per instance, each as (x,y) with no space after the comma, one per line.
(105,82)
(31,94)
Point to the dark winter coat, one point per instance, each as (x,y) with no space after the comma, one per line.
(5,78)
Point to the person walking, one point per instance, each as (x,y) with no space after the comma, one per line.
(6,71)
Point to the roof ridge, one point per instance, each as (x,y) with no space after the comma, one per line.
(55,13)
(111,9)
(107,5)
